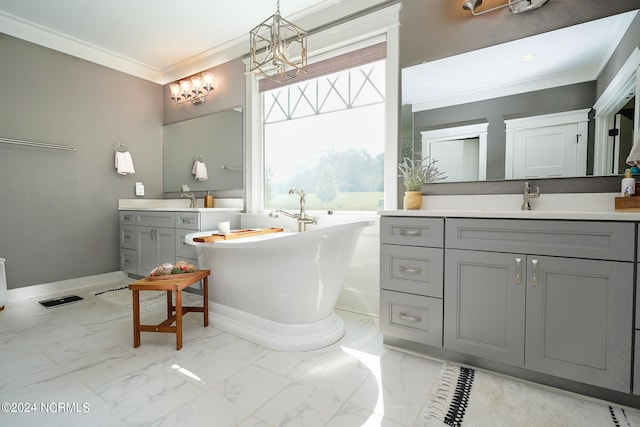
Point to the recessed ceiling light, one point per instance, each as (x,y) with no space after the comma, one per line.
(528,57)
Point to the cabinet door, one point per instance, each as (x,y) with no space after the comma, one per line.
(484,296)
(156,245)
(579,320)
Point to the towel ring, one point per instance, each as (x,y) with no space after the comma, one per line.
(199,158)
(120,147)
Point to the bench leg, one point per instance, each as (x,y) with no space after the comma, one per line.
(136,318)
(169,303)
(178,320)
(205,301)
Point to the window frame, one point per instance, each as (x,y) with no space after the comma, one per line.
(381,25)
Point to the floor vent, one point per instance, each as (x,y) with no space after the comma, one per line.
(55,302)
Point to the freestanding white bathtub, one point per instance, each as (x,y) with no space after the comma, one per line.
(279,290)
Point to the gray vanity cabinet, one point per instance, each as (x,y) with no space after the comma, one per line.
(542,307)
(156,236)
(128,242)
(150,237)
(411,278)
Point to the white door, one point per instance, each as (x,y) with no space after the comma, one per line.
(546,152)
(458,159)
(547,146)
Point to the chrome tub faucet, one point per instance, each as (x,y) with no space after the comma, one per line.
(527,195)
(302,218)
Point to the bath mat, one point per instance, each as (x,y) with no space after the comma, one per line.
(57,302)
(464,397)
(121,295)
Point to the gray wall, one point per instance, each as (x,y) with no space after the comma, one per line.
(58,209)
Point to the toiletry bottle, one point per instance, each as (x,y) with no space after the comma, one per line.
(208,201)
(628,184)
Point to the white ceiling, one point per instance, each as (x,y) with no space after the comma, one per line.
(566,56)
(155,39)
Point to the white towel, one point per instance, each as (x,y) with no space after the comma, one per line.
(200,171)
(634,156)
(124,163)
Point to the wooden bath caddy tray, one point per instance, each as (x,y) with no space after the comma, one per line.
(238,234)
(627,203)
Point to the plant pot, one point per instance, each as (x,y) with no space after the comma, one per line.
(412,200)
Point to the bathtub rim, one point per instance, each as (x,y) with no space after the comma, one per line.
(254,241)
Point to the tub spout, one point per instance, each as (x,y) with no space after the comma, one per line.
(275,214)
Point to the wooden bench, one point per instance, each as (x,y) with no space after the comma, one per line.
(170,283)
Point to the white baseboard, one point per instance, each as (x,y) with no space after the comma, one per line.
(63,285)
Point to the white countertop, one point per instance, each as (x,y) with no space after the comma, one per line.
(519,214)
(179,205)
(583,206)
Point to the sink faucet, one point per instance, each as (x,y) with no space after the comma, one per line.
(528,195)
(302,217)
(191,197)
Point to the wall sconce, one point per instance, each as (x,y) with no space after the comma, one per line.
(194,90)
(278,48)
(516,6)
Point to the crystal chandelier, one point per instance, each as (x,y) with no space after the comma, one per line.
(278,48)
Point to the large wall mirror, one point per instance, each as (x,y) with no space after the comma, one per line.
(215,140)
(476,104)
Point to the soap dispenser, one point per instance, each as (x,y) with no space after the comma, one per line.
(628,184)
(208,200)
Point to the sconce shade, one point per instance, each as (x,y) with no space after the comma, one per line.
(515,6)
(194,90)
(471,4)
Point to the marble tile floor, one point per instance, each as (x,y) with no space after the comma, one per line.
(75,365)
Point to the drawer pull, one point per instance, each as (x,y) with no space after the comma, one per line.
(412,233)
(126,217)
(410,318)
(186,220)
(534,277)
(412,270)
(518,270)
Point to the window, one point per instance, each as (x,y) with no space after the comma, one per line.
(326,136)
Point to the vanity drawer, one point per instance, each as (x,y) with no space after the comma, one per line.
(183,249)
(128,261)
(128,237)
(577,239)
(412,269)
(412,231)
(411,317)
(127,217)
(155,219)
(188,220)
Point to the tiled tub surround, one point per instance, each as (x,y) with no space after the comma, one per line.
(475,266)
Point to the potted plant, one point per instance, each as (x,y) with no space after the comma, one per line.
(415,173)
